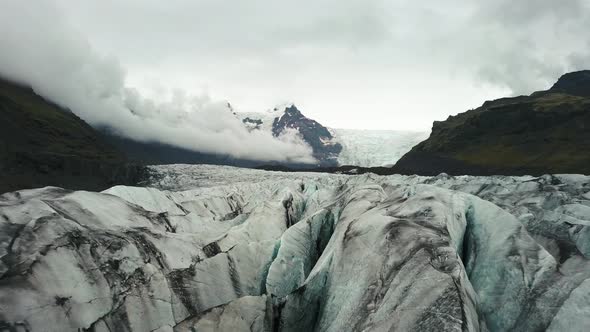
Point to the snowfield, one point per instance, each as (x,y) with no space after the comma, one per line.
(374,148)
(213,248)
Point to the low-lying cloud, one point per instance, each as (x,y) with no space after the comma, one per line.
(40,49)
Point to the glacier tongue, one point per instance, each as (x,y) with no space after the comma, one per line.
(219,248)
(374,148)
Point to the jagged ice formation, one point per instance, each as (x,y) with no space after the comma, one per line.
(220,248)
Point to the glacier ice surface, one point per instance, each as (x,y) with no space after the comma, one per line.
(210,248)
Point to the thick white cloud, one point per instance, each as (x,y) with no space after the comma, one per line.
(39,48)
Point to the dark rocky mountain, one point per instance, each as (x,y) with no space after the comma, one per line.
(42,144)
(325,148)
(546,132)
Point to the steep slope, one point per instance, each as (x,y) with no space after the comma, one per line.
(298,252)
(288,117)
(575,84)
(546,132)
(42,144)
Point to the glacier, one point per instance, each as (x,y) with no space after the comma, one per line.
(216,248)
(375,148)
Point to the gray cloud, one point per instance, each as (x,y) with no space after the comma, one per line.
(40,49)
(396,64)
(531,43)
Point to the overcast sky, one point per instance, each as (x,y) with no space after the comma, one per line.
(347,63)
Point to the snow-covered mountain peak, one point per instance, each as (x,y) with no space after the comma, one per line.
(287,117)
(280,109)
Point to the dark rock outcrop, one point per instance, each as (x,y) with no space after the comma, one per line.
(546,132)
(313,133)
(42,144)
(575,83)
(281,119)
